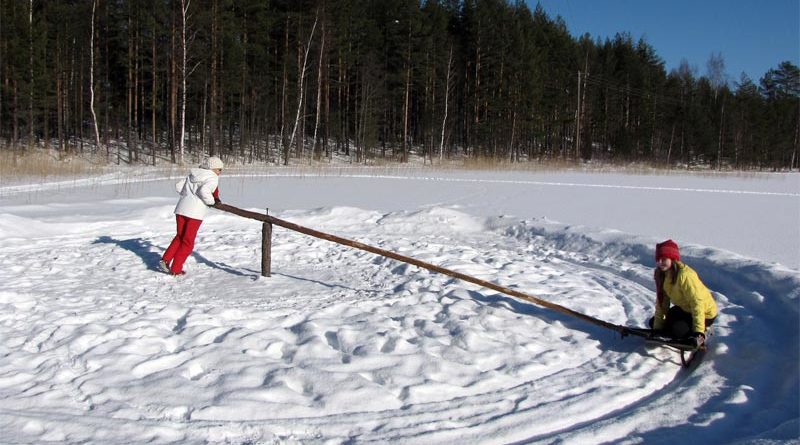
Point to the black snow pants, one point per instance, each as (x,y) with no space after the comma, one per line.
(679,323)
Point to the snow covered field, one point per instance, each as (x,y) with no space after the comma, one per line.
(342,346)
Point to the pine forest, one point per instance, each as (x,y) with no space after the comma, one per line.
(153,81)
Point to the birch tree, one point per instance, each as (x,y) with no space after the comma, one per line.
(91,80)
(301,80)
(448,78)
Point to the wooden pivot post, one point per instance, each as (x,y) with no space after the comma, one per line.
(266,248)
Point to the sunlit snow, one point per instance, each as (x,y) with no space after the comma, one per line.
(343,346)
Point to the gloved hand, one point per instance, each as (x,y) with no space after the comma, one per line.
(699,338)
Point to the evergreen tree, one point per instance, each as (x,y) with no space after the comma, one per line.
(781,88)
(283,79)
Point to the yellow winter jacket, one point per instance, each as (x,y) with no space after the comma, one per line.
(689,294)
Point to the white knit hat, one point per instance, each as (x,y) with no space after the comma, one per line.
(213,163)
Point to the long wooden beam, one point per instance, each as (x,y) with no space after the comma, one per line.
(395,256)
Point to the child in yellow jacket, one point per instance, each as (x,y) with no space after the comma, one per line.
(678,284)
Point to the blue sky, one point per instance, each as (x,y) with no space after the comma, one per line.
(752,36)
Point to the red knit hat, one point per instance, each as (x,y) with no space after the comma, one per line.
(668,249)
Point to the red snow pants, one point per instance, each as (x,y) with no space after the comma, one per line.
(182,245)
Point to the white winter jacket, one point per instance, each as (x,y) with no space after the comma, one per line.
(197,193)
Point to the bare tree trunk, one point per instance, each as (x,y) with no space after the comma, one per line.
(79,100)
(91,81)
(46,112)
(477,99)
(182,105)
(59,97)
(212,140)
(578,120)
(68,108)
(430,101)
(606,143)
(794,162)
(3,78)
(204,125)
(284,85)
(653,128)
(30,73)
(300,81)
(60,111)
(669,150)
(627,104)
(363,120)
(129,101)
(344,101)
(107,121)
(406,104)
(320,71)
(173,86)
(243,124)
(721,134)
(446,101)
(513,153)
(154,101)
(326,130)
(136,92)
(15,117)
(299,91)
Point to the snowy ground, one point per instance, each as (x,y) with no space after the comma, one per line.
(342,346)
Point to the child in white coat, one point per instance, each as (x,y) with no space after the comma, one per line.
(198,191)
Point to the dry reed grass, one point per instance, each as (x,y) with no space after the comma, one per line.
(33,164)
(39,163)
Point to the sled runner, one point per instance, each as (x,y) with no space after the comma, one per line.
(689,352)
(686,347)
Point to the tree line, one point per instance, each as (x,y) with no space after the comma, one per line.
(273,80)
